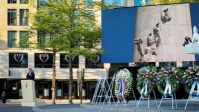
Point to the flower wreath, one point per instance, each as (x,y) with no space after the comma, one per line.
(190,75)
(173,75)
(127,77)
(146,74)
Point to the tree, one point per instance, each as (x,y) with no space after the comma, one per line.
(158,2)
(70,26)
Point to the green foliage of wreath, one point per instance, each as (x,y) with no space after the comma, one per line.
(173,75)
(127,77)
(190,75)
(150,87)
(146,74)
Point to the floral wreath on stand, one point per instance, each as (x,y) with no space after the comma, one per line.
(146,75)
(127,77)
(171,74)
(190,75)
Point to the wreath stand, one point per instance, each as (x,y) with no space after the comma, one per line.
(101,88)
(109,93)
(134,95)
(192,98)
(147,98)
(173,97)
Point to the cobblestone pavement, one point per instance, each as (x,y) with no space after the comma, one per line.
(15,108)
(96,108)
(67,108)
(49,108)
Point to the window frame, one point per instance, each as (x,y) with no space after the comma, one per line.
(97,65)
(11,18)
(23,1)
(21,37)
(23,16)
(43,39)
(11,1)
(11,65)
(43,65)
(9,38)
(63,62)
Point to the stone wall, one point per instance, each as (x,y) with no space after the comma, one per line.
(173,32)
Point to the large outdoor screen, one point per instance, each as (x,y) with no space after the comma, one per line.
(149,34)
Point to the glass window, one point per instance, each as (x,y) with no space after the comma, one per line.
(18,60)
(64,61)
(12,38)
(117,2)
(23,1)
(12,1)
(186,64)
(23,17)
(88,2)
(40,2)
(86,21)
(95,63)
(143,64)
(119,64)
(22,36)
(43,60)
(165,64)
(44,37)
(12,18)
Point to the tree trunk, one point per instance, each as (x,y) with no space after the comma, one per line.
(70,80)
(53,79)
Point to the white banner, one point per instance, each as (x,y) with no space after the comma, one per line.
(167,89)
(144,89)
(193,87)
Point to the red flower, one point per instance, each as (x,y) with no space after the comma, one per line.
(187,77)
(189,68)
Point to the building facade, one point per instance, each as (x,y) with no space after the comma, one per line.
(15,61)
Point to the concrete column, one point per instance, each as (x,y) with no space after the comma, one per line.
(129,3)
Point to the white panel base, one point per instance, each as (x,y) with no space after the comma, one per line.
(32,104)
(192,48)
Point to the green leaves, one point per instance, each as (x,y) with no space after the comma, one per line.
(157,2)
(66,26)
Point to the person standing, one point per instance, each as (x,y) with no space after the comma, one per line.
(3,98)
(30,75)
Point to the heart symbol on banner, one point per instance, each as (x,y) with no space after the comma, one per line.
(44,57)
(18,57)
(67,58)
(97,58)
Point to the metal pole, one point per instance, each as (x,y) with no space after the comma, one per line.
(80,93)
